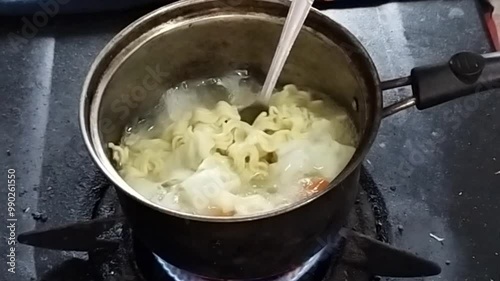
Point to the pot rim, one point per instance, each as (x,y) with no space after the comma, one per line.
(89,124)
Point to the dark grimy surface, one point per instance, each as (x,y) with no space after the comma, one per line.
(436,169)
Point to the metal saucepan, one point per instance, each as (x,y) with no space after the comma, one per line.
(203,38)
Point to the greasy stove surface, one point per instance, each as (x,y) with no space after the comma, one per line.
(436,169)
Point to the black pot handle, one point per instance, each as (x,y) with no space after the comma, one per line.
(464,74)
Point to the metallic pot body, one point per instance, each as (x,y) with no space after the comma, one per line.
(193,39)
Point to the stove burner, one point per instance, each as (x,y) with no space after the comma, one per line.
(295,275)
(155,268)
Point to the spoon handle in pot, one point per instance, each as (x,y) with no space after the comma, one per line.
(295,19)
(464,74)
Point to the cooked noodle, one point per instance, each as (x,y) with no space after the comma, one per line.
(205,160)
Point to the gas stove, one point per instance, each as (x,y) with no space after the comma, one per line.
(429,185)
(115,254)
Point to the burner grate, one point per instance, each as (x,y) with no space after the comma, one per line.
(114,254)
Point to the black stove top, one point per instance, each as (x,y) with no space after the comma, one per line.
(436,171)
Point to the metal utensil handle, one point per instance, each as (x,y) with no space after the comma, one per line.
(295,19)
(464,74)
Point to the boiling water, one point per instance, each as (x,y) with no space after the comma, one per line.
(237,88)
(289,153)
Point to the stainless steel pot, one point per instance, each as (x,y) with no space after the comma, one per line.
(197,38)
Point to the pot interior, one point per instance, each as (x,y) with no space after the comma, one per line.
(212,38)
